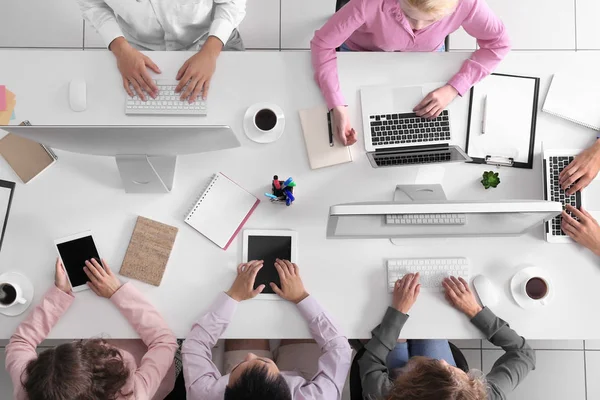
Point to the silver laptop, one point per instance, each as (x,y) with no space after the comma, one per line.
(395,136)
(554,161)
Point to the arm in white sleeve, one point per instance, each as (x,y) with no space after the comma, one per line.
(102,17)
(228,16)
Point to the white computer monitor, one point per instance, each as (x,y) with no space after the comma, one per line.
(146,155)
(481,218)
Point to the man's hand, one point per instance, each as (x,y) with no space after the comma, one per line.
(197,71)
(406,292)
(102,280)
(60,278)
(292,288)
(343,129)
(582,170)
(460,296)
(132,65)
(586,231)
(435,102)
(243,286)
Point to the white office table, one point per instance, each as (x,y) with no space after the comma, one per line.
(348,277)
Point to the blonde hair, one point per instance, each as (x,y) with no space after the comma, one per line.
(427,379)
(439,8)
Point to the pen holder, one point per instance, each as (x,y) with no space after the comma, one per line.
(282,191)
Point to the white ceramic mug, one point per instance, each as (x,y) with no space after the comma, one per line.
(542,300)
(14,291)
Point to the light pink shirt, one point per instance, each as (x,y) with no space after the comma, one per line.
(150,362)
(204,381)
(380,25)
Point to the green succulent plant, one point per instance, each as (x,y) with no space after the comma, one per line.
(490,179)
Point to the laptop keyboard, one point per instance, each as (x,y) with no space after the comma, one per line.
(556,164)
(388,160)
(389,129)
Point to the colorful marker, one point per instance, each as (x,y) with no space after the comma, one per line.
(271,196)
(289,195)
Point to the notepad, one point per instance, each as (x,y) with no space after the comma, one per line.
(575,96)
(221,210)
(316,137)
(149,251)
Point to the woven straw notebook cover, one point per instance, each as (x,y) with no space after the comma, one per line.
(149,250)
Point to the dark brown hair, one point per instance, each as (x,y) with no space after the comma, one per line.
(428,379)
(82,370)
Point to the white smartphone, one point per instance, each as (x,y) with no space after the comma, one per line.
(269,245)
(74,251)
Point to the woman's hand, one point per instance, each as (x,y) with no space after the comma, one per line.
(406,292)
(292,288)
(582,170)
(343,129)
(102,280)
(195,74)
(435,102)
(586,231)
(60,278)
(243,286)
(460,296)
(133,67)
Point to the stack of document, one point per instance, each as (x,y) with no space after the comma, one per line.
(8,102)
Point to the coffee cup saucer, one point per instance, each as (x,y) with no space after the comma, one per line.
(255,134)
(28,292)
(520,278)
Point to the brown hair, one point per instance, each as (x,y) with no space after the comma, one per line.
(82,370)
(428,379)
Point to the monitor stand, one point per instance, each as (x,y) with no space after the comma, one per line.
(147,174)
(410,193)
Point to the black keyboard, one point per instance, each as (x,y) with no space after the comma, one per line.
(389,129)
(388,160)
(556,164)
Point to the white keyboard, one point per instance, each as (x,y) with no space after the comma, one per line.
(167,102)
(426,219)
(432,270)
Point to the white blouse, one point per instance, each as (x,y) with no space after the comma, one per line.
(164,24)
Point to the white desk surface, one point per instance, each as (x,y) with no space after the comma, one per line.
(347,276)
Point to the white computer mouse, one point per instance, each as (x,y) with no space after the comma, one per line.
(78,95)
(486,290)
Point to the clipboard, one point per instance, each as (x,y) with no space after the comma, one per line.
(502,120)
(7,190)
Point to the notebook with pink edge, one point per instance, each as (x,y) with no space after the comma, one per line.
(221,210)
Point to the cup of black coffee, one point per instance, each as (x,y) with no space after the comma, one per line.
(10,294)
(537,288)
(265,120)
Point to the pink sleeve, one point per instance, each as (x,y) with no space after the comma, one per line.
(32,331)
(336,354)
(493,41)
(333,34)
(154,332)
(202,377)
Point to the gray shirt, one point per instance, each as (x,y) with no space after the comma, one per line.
(505,376)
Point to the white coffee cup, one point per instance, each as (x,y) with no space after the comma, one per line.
(536,288)
(265,119)
(10,294)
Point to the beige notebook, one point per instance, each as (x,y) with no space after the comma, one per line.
(149,250)
(316,138)
(27,158)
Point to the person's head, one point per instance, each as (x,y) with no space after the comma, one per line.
(422,13)
(82,370)
(427,379)
(256,378)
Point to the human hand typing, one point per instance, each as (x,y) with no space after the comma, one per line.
(243,286)
(196,73)
(406,292)
(133,67)
(435,102)
(586,231)
(460,296)
(582,170)
(292,288)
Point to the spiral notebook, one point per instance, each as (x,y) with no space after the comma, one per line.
(222,210)
(575,96)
